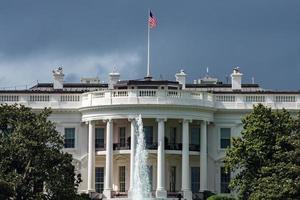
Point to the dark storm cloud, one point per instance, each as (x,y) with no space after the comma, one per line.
(92,37)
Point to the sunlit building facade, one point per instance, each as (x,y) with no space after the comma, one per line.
(187,126)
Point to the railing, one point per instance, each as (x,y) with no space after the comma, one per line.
(194,147)
(246,101)
(152,97)
(173,146)
(147,96)
(151,146)
(121,146)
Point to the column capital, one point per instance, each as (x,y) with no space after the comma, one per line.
(130,119)
(161,119)
(107,120)
(90,122)
(186,120)
(205,122)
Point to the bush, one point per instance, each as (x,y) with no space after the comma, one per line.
(6,190)
(220,197)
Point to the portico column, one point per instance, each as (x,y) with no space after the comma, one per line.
(91,157)
(132,152)
(160,190)
(108,159)
(186,189)
(203,157)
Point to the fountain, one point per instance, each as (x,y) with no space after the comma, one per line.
(141,184)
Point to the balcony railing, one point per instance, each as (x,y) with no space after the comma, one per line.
(173,146)
(151,146)
(194,147)
(152,96)
(121,146)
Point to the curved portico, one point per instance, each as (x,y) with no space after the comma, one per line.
(158,116)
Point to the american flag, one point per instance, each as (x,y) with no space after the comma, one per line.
(152,20)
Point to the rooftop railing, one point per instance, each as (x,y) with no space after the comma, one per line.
(152,97)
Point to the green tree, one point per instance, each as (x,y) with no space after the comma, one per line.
(266,158)
(31,156)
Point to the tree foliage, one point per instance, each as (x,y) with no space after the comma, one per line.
(266,158)
(31,156)
(220,197)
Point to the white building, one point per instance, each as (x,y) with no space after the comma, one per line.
(187,128)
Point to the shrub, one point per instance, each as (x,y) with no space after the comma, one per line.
(220,197)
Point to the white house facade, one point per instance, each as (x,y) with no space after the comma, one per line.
(187,128)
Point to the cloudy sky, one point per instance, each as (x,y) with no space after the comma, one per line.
(91,37)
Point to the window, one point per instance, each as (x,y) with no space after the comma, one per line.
(225,138)
(173,135)
(99,179)
(148,130)
(150,175)
(122,178)
(195,135)
(122,136)
(195,179)
(99,138)
(69,138)
(195,139)
(225,179)
(173,179)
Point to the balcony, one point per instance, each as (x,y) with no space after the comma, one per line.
(147,96)
(121,146)
(173,146)
(194,147)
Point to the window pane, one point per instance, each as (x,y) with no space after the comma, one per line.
(150,175)
(173,179)
(99,137)
(195,136)
(122,178)
(69,138)
(148,130)
(122,136)
(195,179)
(225,137)
(99,179)
(225,179)
(173,135)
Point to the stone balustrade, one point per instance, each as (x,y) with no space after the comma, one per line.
(152,97)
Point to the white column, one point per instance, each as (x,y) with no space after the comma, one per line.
(91,157)
(132,152)
(203,157)
(160,190)
(186,189)
(108,159)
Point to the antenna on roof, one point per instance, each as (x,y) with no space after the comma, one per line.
(252,79)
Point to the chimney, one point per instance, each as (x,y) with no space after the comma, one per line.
(180,77)
(236,79)
(58,79)
(114,77)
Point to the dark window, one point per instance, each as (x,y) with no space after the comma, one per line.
(148,130)
(195,135)
(225,138)
(225,179)
(122,136)
(69,138)
(173,179)
(99,179)
(173,134)
(122,178)
(99,138)
(150,175)
(195,179)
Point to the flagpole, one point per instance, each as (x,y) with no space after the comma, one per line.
(148,55)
